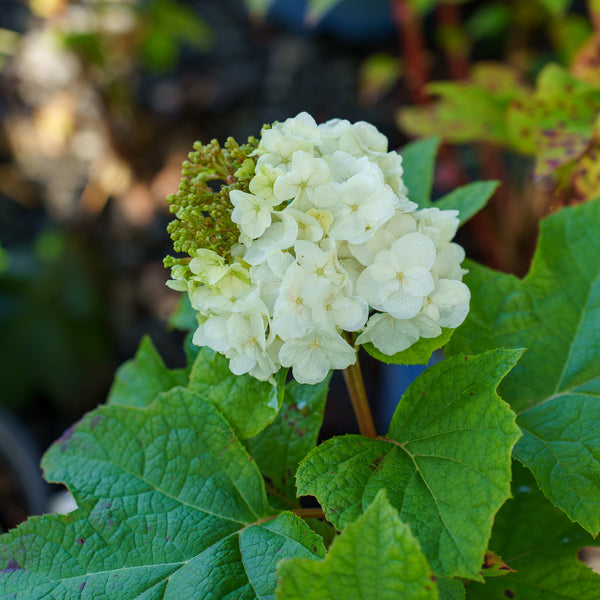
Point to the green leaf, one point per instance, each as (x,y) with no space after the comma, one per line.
(375,558)
(247,403)
(445,462)
(556,124)
(541,544)
(417,354)
(170,506)
(418,163)
(468,199)
(418,159)
(450,589)
(555,388)
(494,565)
(468,111)
(138,381)
(279,448)
(184,316)
(556,7)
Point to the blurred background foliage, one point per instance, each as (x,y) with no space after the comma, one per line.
(101,100)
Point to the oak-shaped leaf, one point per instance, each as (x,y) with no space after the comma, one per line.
(557,122)
(445,462)
(468,111)
(375,558)
(279,448)
(170,504)
(542,546)
(554,312)
(247,403)
(139,380)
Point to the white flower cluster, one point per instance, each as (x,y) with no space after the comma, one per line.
(329,243)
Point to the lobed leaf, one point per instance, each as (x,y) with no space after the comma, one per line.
(376,557)
(468,111)
(138,381)
(555,312)
(541,545)
(557,122)
(445,462)
(170,506)
(247,403)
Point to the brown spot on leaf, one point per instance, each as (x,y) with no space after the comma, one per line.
(81,540)
(508,593)
(374,465)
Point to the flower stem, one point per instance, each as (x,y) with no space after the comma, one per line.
(308,513)
(358,397)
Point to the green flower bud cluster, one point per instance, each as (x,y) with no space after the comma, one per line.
(202,206)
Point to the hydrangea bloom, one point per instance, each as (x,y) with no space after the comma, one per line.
(328,243)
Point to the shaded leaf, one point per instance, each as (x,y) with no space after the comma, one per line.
(450,589)
(247,403)
(418,162)
(541,544)
(468,199)
(184,316)
(170,506)
(279,448)
(138,381)
(393,567)
(554,312)
(445,462)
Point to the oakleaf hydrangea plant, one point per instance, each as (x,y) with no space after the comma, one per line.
(323,250)
(207,482)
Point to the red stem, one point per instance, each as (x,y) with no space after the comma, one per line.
(410,33)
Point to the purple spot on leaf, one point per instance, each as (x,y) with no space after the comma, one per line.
(11,566)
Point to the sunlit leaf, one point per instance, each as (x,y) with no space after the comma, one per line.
(138,381)
(393,567)
(170,506)
(445,462)
(554,313)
